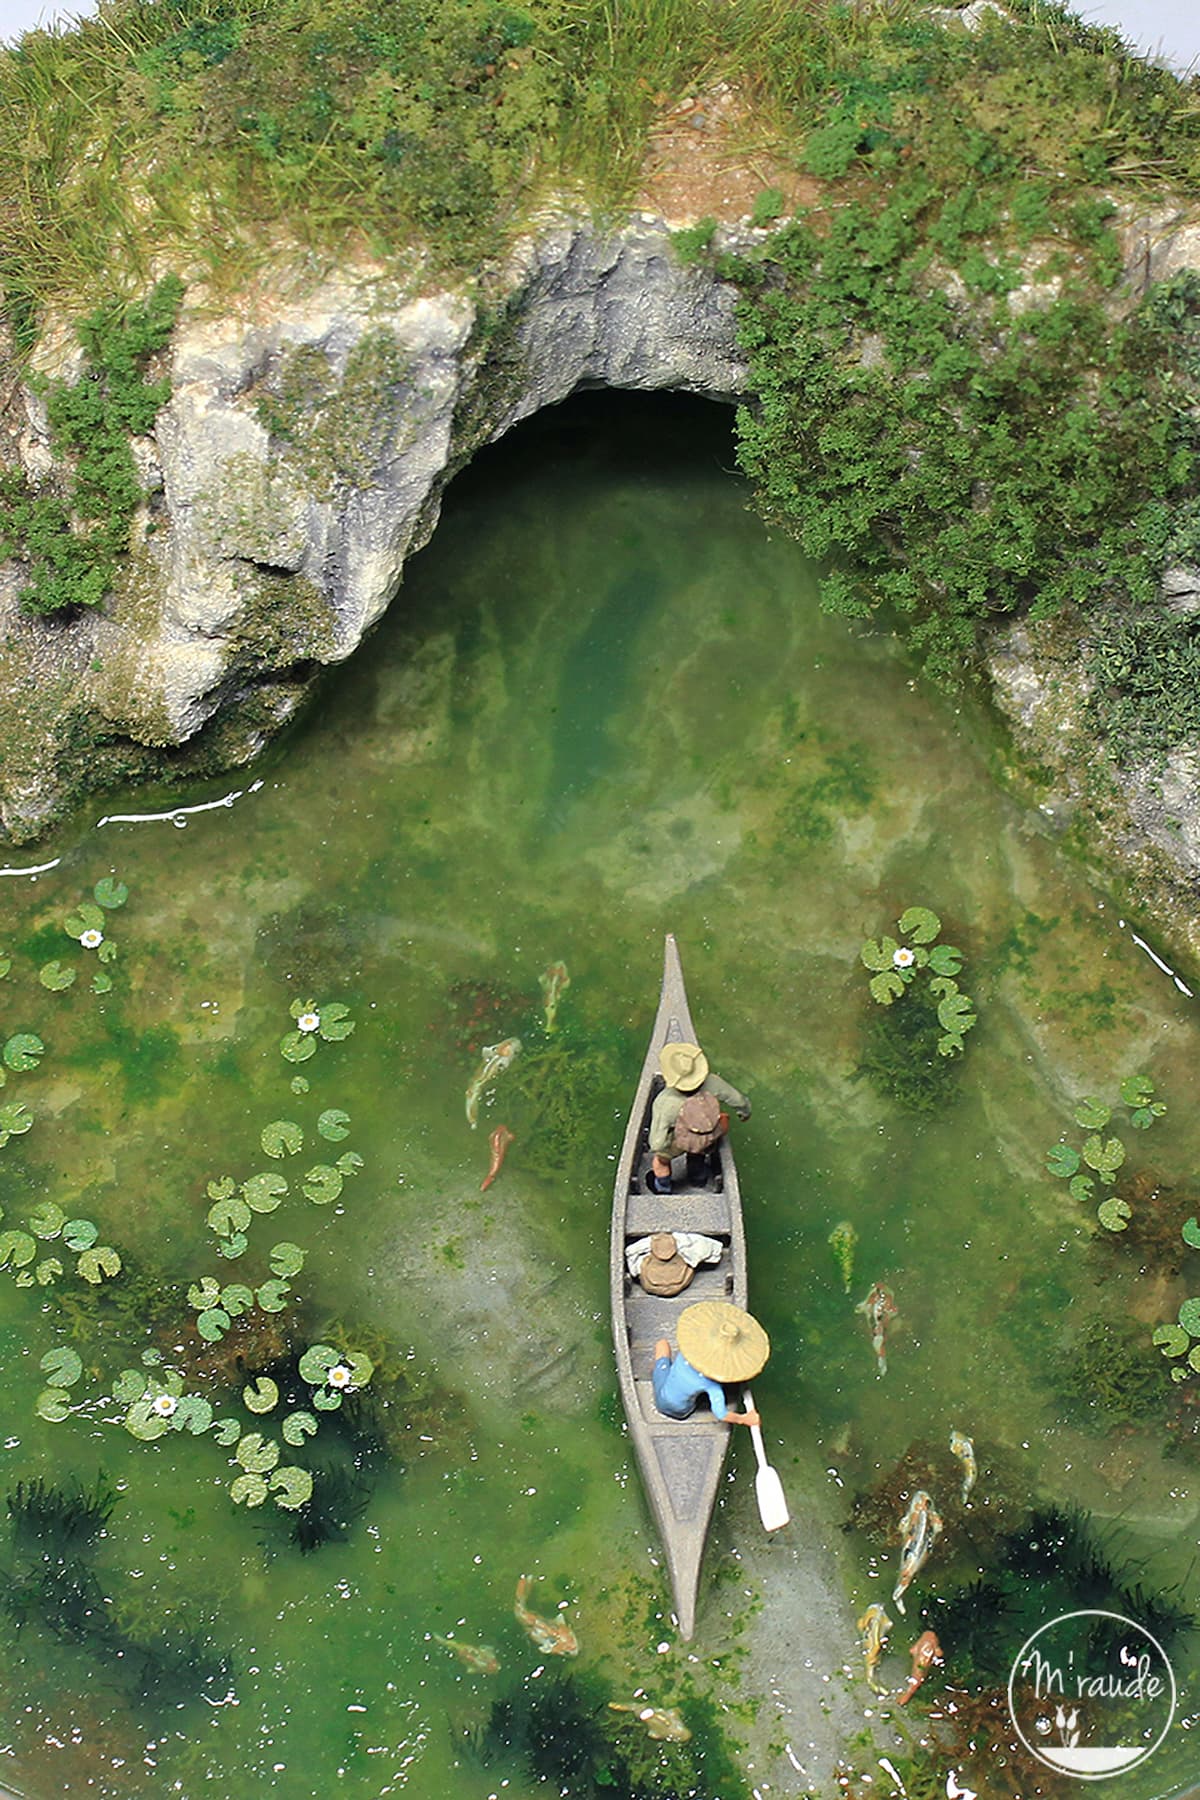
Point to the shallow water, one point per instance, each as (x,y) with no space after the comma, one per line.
(605,705)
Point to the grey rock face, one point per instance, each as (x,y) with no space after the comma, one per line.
(300,461)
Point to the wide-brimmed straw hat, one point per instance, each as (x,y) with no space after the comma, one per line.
(664,1271)
(722,1341)
(684,1066)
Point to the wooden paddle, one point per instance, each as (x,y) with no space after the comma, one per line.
(768,1489)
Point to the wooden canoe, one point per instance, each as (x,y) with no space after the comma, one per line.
(680,1460)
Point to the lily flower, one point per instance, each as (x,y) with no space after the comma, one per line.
(164,1405)
(903,958)
(308,1021)
(91,939)
(340,1376)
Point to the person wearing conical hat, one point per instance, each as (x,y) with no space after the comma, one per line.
(691,1113)
(718,1342)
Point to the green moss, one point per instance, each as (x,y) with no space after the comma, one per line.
(337,433)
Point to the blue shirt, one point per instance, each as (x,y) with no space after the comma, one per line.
(677,1387)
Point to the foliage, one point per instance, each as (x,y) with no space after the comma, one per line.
(946,455)
(1109,1377)
(908,1049)
(70,546)
(1104,1156)
(843,1241)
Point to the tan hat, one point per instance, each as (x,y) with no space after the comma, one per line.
(684,1066)
(722,1341)
(664,1270)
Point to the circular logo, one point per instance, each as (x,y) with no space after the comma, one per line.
(1091,1694)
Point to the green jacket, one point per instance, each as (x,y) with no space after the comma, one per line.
(665,1110)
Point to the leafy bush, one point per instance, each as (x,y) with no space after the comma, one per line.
(71,546)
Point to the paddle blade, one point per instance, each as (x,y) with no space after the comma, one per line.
(772,1502)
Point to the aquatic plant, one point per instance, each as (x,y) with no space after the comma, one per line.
(900,1055)
(1107,1375)
(58,1518)
(332,1373)
(897,965)
(843,1241)
(1104,1155)
(340,1495)
(330,1022)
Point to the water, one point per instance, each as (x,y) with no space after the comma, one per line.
(605,705)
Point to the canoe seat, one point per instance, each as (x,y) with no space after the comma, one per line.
(697,1210)
(649,1317)
(701,1421)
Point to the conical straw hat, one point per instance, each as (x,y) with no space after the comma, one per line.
(722,1341)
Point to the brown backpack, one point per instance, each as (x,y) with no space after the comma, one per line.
(700,1123)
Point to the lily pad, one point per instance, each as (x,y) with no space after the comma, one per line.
(272,1296)
(1082,1187)
(298,1046)
(326,1400)
(130,1385)
(194,1413)
(229,1215)
(322,1184)
(919,924)
(24,1279)
(1114,1213)
(110,893)
(47,1219)
(349,1162)
(23,1050)
(212,1324)
(334,1124)
(248,1490)
(227,1431)
(63,1365)
(256,1453)
(1105,1155)
(945,959)
(1172,1340)
(220,1187)
(318,1359)
(298,1426)
(17,1248)
(204,1293)
(1092,1114)
(56,976)
(1061,1159)
(877,953)
(1143,1117)
(80,1234)
(15,1120)
(1189,1316)
(86,917)
(48,1270)
(887,986)
(954,1012)
(95,1264)
(360,1366)
(5,964)
(292,1487)
(151,1358)
(1137,1090)
(53,1403)
(101,983)
(300,1084)
(260,1395)
(286,1259)
(233,1246)
(336,1022)
(141,1421)
(107,951)
(1193,1357)
(263,1193)
(237,1298)
(1191,1233)
(282,1137)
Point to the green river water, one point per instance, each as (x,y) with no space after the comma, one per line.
(605,705)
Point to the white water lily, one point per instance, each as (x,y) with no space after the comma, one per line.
(308,1021)
(164,1405)
(340,1376)
(91,939)
(903,958)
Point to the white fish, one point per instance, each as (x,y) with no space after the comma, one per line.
(496,1058)
(964,1449)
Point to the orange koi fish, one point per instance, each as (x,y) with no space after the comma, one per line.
(879,1308)
(925,1651)
(500,1139)
(554,1636)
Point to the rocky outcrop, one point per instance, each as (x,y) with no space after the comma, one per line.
(300,460)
